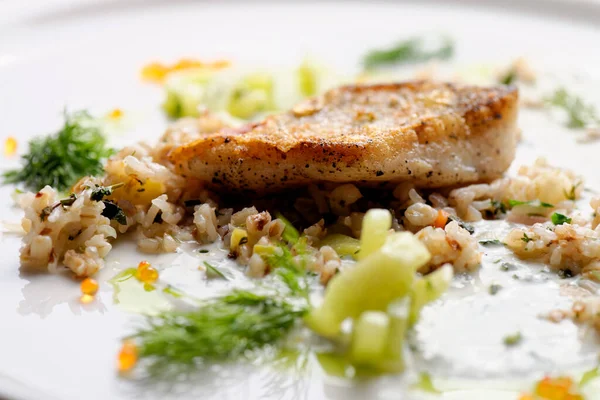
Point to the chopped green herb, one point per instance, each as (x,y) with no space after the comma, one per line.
(68,201)
(572,195)
(203,251)
(509,78)
(526,238)
(506,266)
(290,273)
(213,272)
(149,288)
(491,242)
(559,219)
(113,211)
(514,339)
(46,211)
(101,192)
(173,291)
(60,160)
(589,376)
(468,227)
(426,384)
(494,288)
(409,51)
(579,113)
(513,203)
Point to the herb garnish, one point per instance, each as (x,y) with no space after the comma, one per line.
(514,339)
(468,227)
(66,202)
(559,219)
(579,113)
(60,160)
(506,266)
(589,376)
(494,288)
(509,77)
(113,211)
(526,238)
(409,51)
(490,242)
(513,203)
(571,195)
(231,326)
(100,192)
(213,272)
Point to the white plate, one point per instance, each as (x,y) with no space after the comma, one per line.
(88,54)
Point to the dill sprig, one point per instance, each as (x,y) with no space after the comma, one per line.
(60,160)
(228,327)
(223,329)
(409,51)
(578,112)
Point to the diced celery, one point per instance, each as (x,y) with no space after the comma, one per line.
(398,312)
(343,245)
(369,338)
(371,284)
(253,95)
(185,92)
(290,234)
(427,289)
(308,79)
(333,364)
(375,229)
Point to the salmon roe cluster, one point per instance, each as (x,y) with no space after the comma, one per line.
(146,273)
(559,388)
(89,288)
(127,357)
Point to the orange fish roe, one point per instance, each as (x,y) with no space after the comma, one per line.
(89,286)
(10,146)
(441,219)
(559,388)
(157,72)
(115,114)
(146,273)
(127,356)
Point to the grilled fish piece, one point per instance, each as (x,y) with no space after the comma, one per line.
(433,134)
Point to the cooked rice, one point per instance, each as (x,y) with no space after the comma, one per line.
(566,247)
(57,234)
(453,245)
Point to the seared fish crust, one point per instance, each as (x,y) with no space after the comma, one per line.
(433,134)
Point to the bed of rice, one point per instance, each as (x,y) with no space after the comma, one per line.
(163,209)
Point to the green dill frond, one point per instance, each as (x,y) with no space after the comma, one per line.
(578,112)
(223,329)
(408,51)
(60,160)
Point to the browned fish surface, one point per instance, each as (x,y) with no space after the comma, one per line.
(434,134)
